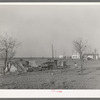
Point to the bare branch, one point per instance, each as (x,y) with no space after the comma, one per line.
(80,46)
(7,47)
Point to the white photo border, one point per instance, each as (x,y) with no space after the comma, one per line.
(45,93)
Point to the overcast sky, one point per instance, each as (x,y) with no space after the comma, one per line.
(40,26)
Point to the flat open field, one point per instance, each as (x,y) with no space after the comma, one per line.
(69,78)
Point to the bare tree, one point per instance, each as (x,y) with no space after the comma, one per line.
(8,45)
(80,47)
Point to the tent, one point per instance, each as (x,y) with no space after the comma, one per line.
(33,63)
(16,66)
(20,65)
(13,69)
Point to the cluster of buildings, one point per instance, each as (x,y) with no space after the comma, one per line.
(88,56)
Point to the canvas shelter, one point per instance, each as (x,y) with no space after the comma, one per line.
(33,63)
(13,69)
(16,66)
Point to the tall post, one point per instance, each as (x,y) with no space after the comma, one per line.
(52,52)
(55,53)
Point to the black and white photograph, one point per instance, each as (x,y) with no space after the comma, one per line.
(50,46)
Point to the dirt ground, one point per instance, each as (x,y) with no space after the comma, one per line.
(69,78)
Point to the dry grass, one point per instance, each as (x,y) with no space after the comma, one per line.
(61,79)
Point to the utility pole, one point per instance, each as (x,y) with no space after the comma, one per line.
(52,52)
(55,53)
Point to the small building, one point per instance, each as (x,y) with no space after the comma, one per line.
(91,56)
(61,57)
(60,62)
(75,56)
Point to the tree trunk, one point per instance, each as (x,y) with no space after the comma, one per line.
(81,60)
(5,63)
(81,66)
